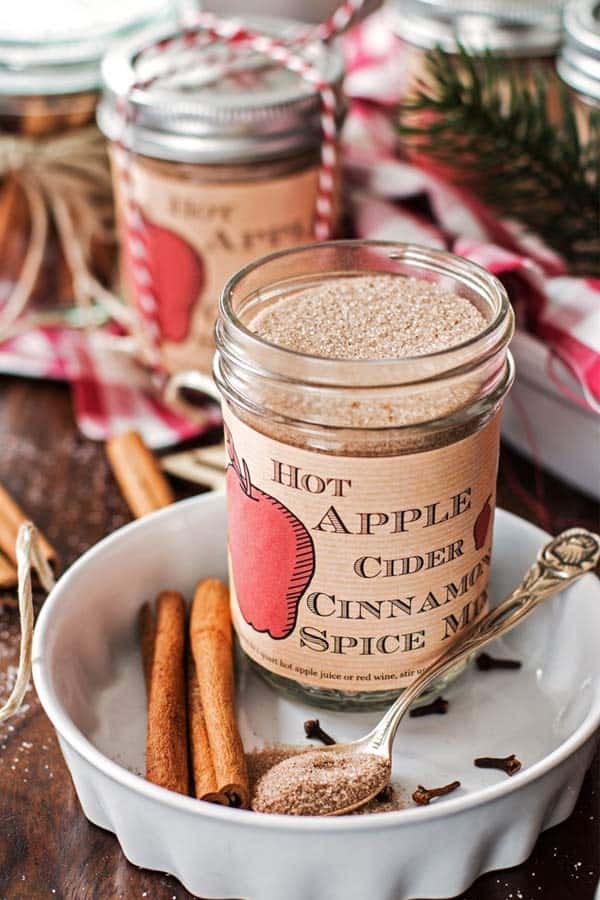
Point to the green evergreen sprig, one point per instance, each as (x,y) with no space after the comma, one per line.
(524,155)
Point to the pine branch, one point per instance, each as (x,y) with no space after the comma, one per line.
(497,134)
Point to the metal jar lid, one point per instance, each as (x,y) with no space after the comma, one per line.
(579,61)
(222,109)
(313,11)
(509,28)
(55,48)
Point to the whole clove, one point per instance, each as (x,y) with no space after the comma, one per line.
(423,796)
(509,764)
(438,707)
(312,729)
(485,663)
(386,795)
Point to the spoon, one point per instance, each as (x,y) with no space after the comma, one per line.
(559,563)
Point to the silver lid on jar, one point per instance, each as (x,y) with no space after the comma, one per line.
(56,48)
(312,11)
(509,28)
(223,107)
(579,61)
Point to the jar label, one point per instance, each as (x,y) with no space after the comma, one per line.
(354,573)
(198,234)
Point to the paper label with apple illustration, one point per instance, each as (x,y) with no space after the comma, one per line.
(199,233)
(354,573)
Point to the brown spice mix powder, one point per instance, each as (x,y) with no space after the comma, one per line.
(293,781)
(379,317)
(370,317)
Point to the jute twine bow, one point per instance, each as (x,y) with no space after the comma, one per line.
(65,178)
(29,555)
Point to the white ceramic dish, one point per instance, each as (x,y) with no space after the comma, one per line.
(89,679)
(539,420)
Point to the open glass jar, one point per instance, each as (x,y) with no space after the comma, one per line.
(360,491)
(54,180)
(224,167)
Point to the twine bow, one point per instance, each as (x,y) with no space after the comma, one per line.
(65,179)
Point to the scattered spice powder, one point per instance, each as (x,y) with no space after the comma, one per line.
(313,782)
(370,317)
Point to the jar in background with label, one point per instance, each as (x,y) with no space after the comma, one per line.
(224,164)
(579,62)
(362,384)
(51,153)
(527,35)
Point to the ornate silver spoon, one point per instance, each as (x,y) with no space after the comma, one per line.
(367,761)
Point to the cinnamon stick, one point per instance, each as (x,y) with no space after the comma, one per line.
(166,742)
(147,633)
(8,573)
(138,474)
(39,119)
(9,196)
(203,771)
(212,648)
(11,518)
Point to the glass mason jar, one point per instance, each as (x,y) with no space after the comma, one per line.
(360,491)
(579,62)
(224,168)
(49,83)
(527,35)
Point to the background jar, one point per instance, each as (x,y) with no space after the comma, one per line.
(382,412)
(527,35)
(49,83)
(224,168)
(579,61)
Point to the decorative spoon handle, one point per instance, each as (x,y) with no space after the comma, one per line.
(560,562)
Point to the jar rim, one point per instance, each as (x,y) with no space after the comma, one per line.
(233,337)
(510,30)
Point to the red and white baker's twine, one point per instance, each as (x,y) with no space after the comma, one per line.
(336,23)
(206,29)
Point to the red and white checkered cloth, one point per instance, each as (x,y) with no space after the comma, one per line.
(561,310)
(111,392)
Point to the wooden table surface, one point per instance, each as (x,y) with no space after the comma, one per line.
(47,848)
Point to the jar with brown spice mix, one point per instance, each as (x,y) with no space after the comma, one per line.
(223,163)
(362,385)
(54,181)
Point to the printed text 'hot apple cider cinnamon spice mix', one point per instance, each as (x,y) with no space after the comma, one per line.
(362,385)
(223,163)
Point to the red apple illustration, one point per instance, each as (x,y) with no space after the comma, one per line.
(482,524)
(272,553)
(177,273)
